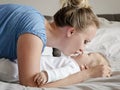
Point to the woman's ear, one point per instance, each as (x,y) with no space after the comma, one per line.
(70,31)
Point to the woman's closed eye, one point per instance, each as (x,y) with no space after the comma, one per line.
(86,41)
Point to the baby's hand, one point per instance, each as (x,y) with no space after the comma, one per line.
(41,78)
(100,71)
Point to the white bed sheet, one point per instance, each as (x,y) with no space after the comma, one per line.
(112,83)
(107,41)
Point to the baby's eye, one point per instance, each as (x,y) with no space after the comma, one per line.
(89,54)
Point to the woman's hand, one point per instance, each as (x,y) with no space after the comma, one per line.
(99,71)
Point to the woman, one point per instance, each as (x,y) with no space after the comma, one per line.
(24,33)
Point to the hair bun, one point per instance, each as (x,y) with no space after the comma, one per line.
(75,3)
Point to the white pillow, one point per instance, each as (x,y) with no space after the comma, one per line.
(107,41)
(104,23)
(8,70)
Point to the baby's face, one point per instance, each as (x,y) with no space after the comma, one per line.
(83,59)
(91,59)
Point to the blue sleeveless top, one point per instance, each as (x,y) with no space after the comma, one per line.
(16,20)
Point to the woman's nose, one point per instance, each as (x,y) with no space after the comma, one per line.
(79,52)
(81,48)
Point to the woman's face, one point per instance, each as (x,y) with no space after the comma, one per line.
(78,40)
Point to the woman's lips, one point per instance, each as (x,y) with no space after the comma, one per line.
(76,53)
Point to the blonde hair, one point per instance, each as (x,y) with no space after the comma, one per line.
(75,3)
(75,13)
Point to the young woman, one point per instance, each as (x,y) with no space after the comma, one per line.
(24,33)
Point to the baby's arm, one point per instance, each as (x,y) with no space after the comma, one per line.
(47,76)
(93,72)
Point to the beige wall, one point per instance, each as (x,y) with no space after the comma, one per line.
(49,7)
(46,7)
(105,6)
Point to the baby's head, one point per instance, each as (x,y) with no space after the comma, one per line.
(98,59)
(91,59)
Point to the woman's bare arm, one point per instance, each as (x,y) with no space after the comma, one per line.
(28,51)
(97,71)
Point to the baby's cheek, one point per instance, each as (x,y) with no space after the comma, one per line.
(93,64)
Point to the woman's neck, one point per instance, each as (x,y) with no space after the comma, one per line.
(52,34)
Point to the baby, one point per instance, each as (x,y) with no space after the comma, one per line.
(80,62)
(53,68)
(59,67)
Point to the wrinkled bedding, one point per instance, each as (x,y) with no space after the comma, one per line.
(112,83)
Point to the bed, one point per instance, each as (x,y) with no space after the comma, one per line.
(107,41)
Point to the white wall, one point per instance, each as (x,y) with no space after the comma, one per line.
(46,7)
(105,6)
(49,7)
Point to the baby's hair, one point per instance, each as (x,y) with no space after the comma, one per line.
(77,14)
(103,56)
